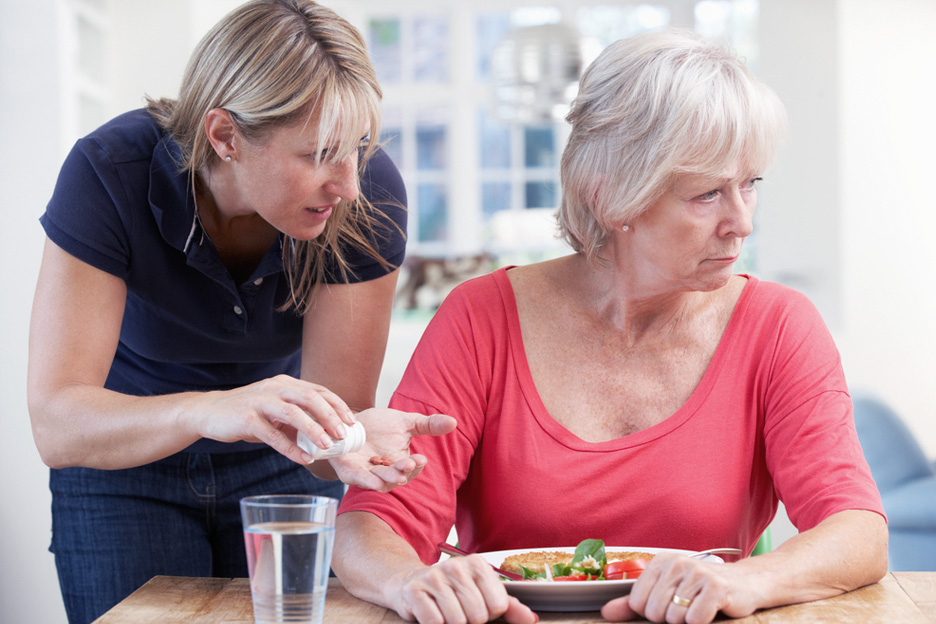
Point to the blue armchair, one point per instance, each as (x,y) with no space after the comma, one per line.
(906,480)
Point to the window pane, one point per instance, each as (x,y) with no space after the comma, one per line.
(535,15)
(538,147)
(430,147)
(392,144)
(540,195)
(495,143)
(606,24)
(492,27)
(430,49)
(385,53)
(495,196)
(432,209)
(391,135)
(734,20)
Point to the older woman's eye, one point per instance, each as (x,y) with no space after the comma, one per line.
(753,182)
(709,196)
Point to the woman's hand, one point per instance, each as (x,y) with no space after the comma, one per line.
(708,587)
(460,589)
(389,433)
(272,411)
(845,551)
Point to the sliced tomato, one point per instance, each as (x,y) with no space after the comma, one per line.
(576,577)
(626,569)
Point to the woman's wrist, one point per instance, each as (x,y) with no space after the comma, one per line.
(190,413)
(393,590)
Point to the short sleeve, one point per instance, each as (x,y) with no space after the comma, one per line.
(813,451)
(442,377)
(83,216)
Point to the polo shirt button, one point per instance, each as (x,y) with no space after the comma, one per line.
(258,281)
(238,311)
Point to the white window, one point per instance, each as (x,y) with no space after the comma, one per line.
(479,180)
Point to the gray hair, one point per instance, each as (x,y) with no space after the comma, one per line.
(652,107)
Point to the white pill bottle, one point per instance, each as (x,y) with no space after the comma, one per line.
(353,441)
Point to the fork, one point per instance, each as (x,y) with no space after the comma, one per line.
(458,552)
(702,554)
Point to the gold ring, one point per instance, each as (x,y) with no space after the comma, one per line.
(682,602)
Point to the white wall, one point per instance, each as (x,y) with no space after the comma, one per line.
(846,212)
(797,223)
(32,138)
(888,130)
(29,148)
(847,215)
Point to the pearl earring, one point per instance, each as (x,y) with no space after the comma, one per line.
(625,228)
(227,158)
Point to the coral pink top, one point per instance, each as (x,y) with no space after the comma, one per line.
(771,419)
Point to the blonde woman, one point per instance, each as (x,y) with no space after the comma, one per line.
(636,391)
(218,276)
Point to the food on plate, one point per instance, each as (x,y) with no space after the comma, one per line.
(590,562)
(537,560)
(625,568)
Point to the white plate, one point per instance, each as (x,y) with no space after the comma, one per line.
(573,596)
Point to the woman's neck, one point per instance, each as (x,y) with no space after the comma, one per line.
(241,238)
(624,302)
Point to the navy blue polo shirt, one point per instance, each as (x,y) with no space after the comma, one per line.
(121,205)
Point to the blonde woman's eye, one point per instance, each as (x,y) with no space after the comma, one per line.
(323,155)
(753,182)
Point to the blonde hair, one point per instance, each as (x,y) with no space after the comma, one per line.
(275,63)
(652,107)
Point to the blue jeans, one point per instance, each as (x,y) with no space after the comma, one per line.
(113,530)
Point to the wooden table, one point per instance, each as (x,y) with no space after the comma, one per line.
(901,597)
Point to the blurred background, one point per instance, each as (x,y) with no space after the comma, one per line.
(475,93)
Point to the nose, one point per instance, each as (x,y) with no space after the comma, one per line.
(739,215)
(342,180)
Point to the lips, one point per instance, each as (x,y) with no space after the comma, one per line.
(318,214)
(725,259)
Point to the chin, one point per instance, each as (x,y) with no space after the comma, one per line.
(714,282)
(306,234)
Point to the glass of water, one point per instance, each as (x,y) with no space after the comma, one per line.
(289,540)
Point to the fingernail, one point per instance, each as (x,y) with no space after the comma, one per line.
(342,431)
(327,442)
(308,459)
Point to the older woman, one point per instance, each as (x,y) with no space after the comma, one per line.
(636,391)
(218,276)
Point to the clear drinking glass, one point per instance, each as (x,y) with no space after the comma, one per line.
(289,540)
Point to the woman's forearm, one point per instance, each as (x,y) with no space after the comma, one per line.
(86,425)
(844,552)
(83,425)
(370,559)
